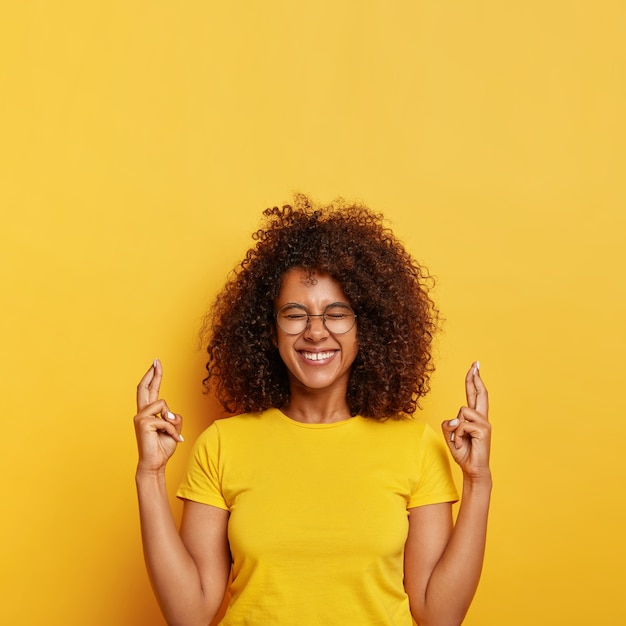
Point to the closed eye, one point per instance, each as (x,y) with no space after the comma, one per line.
(338,311)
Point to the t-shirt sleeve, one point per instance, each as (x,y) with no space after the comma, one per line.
(434,483)
(202,482)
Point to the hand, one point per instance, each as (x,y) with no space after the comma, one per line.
(469,435)
(157,429)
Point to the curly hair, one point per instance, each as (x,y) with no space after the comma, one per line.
(387,288)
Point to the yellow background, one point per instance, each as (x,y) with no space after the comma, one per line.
(140,142)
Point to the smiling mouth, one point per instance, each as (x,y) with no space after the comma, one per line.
(317,356)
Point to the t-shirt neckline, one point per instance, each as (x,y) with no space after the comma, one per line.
(312,426)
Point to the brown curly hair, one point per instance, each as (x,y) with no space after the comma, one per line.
(385,285)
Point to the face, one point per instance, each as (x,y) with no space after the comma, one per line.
(316,358)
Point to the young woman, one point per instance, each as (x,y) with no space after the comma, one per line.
(322,500)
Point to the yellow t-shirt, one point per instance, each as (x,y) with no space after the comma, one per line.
(318,513)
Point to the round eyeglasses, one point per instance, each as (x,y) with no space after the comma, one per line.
(293,319)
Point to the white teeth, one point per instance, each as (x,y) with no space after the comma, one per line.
(317,356)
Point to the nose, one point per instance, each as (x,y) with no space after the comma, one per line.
(316,328)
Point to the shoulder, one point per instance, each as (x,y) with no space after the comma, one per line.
(413,435)
(408,434)
(402,426)
(234,427)
(244,421)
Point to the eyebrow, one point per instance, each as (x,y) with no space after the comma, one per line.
(297,305)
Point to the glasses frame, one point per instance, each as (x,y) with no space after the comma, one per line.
(296,305)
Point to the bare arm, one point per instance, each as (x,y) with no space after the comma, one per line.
(189,572)
(442,563)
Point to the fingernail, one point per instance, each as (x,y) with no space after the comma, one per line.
(454,422)
(170,415)
(154,363)
(181,437)
(452,437)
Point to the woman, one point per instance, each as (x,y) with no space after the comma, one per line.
(326,499)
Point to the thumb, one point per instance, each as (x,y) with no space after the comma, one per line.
(449,427)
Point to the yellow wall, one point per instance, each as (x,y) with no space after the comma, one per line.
(139,143)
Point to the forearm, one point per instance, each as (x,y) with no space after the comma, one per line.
(173,573)
(454,579)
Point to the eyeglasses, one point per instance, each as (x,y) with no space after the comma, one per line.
(338,318)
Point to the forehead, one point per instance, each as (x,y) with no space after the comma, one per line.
(309,288)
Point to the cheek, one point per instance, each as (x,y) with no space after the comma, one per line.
(352,350)
(284,346)
(355,341)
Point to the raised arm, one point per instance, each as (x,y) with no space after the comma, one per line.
(443,563)
(188,577)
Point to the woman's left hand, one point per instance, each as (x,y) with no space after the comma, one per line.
(469,435)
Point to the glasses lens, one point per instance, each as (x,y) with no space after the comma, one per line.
(339,318)
(292,319)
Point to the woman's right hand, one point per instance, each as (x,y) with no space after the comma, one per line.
(156,427)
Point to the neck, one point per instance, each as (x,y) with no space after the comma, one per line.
(315,406)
